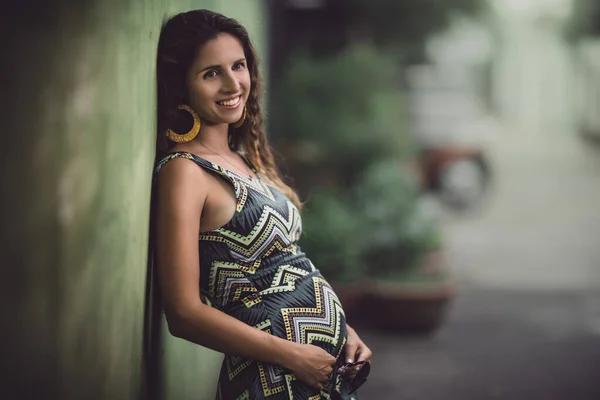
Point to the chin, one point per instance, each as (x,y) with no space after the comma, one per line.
(235,119)
(231,120)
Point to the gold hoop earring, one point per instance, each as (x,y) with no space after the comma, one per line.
(240,121)
(189,136)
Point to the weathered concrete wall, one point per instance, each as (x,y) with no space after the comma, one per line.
(77,106)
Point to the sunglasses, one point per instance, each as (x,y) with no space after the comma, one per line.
(361,375)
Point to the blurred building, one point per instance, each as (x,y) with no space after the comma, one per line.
(533,79)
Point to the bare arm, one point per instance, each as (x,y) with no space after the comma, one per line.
(181,196)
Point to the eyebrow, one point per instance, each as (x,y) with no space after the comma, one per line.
(218,66)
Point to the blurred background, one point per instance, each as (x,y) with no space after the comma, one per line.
(448,153)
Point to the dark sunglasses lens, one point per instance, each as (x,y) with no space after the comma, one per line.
(361,377)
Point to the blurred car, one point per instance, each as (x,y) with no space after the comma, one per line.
(451,128)
(459,175)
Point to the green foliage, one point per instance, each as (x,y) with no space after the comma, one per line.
(400,227)
(348,105)
(333,235)
(378,229)
(585,21)
(387,195)
(404,24)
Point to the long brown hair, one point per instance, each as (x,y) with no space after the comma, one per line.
(181,38)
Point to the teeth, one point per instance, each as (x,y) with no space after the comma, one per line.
(229,102)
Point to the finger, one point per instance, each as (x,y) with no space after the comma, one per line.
(330,359)
(350,372)
(364,353)
(350,349)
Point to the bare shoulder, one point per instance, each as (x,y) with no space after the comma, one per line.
(181,176)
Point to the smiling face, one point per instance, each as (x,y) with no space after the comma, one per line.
(219,80)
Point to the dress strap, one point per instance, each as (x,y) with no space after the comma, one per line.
(241,192)
(198,160)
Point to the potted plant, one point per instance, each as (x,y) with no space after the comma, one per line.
(409,286)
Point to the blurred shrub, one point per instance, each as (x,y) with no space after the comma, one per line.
(404,23)
(584,21)
(347,108)
(401,227)
(387,196)
(342,132)
(333,235)
(379,228)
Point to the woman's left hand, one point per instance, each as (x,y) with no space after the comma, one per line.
(355,349)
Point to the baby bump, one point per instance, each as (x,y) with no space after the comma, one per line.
(299,308)
(311,314)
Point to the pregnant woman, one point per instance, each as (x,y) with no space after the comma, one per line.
(231,273)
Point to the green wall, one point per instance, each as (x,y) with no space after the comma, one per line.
(78,112)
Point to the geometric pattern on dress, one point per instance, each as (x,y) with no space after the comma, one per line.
(241,190)
(289,378)
(244,396)
(284,279)
(171,156)
(272,231)
(322,322)
(257,184)
(241,197)
(271,378)
(288,382)
(227,283)
(252,300)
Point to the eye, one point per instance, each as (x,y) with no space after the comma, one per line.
(210,74)
(239,65)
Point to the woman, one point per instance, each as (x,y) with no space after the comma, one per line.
(231,274)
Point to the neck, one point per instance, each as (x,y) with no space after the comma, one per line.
(215,137)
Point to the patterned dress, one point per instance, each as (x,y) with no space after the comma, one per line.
(252,269)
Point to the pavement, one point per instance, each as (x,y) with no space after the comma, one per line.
(526,321)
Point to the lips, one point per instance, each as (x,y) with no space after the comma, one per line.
(230,103)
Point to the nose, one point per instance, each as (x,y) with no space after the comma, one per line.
(230,83)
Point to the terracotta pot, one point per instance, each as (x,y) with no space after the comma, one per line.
(394,308)
(415,302)
(352,297)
